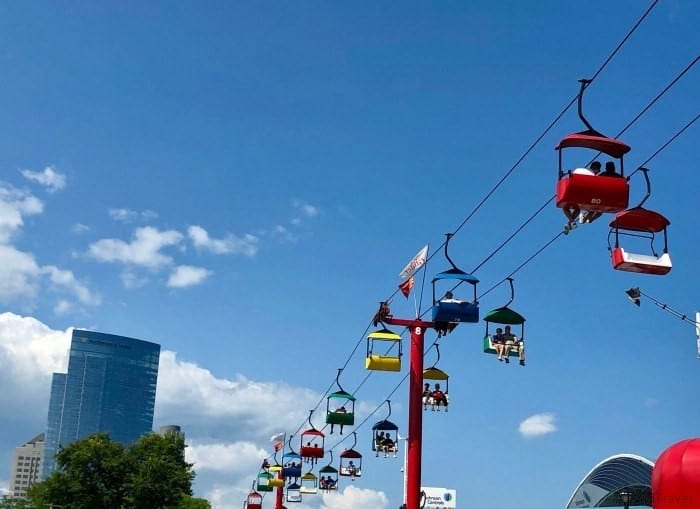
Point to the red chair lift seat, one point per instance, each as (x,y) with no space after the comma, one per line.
(641,220)
(593,192)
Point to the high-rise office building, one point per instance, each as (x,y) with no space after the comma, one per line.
(26,466)
(110,387)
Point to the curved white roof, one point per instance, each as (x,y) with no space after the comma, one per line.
(602,485)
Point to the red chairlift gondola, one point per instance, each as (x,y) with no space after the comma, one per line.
(643,223)
(312,443)
(597,193)
(351,461)
(254,500)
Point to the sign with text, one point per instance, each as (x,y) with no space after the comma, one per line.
(439,498)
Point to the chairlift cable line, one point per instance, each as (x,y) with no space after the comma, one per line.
(517,269)
(492,191)
(649,159)
(637,117)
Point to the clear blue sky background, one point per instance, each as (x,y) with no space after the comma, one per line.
(317,146)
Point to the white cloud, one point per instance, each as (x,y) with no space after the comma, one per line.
(228,422)
(187,275)
(283,234)
(29,353)
(189,394)
(239,457)
(66,279)
(538,425)
(128,215)
(231,244)
(49,178)
(14,205)
(355,498)
(80,228)
(62,307)
(306,209)
(132,280)
(18,274)
(144,249)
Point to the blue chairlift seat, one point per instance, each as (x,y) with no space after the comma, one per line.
(454,310)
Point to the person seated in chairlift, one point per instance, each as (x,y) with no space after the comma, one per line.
(426,396)
(351,468)
(499,343)
(449,297)
(340,410)
(379,442)
(574,213)
(512,341)
(439,398)
(388,446)
(610,170)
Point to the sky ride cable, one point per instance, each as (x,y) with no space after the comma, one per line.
(500,182)
(529,149)
(629,124)
(551,241)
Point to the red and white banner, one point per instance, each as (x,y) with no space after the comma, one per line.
(416,263)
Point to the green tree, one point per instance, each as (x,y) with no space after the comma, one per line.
(194,503)
(96,472)
(90,473)
(15,503)
(160,476)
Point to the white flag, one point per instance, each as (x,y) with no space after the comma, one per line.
(416,263)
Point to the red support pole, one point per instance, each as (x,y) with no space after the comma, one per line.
(414,442)
(280,494)
(415,418)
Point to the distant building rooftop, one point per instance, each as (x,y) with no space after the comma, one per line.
(602,486)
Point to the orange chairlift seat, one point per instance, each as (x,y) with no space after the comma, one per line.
(590,192)
(643,223)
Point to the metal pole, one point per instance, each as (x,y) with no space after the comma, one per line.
(415,418)
(415,407)
(279,500)
(404,469)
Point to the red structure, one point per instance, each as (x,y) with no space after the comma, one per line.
(675,480)
(415,406)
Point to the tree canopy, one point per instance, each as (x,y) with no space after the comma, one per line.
(97,472)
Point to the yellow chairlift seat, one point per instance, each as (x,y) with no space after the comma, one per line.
(383,362)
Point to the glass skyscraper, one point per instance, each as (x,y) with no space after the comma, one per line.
(110,387)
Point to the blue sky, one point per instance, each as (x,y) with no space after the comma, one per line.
(243,182)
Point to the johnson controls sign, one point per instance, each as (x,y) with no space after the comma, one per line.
(440,498)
